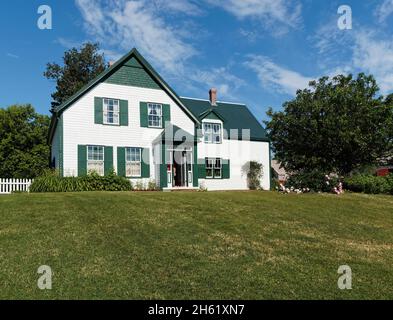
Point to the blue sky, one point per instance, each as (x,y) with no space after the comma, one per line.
(254,51)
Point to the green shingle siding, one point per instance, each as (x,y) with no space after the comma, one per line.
(211,116)
(132,76)
(133,63)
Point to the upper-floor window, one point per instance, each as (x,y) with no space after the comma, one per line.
(212,132)
(111,111)
(154,112)
(133,162)
(95,159)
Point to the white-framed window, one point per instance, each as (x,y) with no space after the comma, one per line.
(95,159)
(154,112)
(217,168)
(133,162)
(212,132)
(111,111)
(213,168)
(209,168)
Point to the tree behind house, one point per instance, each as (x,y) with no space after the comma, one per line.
(79,67)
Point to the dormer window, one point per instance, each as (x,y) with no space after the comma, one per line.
(212,132)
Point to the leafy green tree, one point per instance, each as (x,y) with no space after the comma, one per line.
(24,152)
(334,125)
(79,67)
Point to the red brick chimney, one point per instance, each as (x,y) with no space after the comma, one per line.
(213,96)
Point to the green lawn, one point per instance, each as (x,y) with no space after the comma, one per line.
(218,245)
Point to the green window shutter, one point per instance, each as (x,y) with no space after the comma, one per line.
(195,170)
(143,114)
(121,162)
(166,114)
(226,172)
(124,112)
(108,160)
(163,167)
(98,110)
(82,160)
(201,169)
(145,163)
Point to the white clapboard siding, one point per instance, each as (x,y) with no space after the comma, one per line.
(11,185)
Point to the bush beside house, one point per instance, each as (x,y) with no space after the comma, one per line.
(51,182)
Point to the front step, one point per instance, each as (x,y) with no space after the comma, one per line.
(180,189)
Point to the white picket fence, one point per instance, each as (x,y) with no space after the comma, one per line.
(10,185)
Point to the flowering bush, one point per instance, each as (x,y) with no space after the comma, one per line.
(312,182)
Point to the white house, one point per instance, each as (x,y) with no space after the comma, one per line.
(129,120)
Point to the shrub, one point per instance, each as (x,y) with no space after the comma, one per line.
(369,184)
(51,182)
(315,180)
(152,186)
(139,186)
(254,175)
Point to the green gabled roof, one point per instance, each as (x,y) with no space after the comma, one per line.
(207,113)
(235,116)
(126,60)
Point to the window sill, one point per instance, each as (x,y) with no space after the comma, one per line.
(111,124)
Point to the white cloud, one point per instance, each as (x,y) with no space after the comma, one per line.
(13,56)
(375,56)
(221,78)
(68,43)
(384,10)
(125,24)
(276,77)
(330,40)
(188,7)
(272,13)
(149,26)
(358,50)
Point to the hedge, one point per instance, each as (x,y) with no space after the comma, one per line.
(369,184)
(91,182)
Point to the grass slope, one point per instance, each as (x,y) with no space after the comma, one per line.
(221,245)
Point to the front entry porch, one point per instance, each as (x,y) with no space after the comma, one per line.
(180,168)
